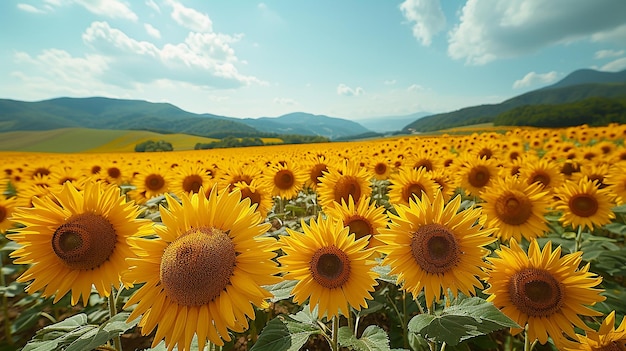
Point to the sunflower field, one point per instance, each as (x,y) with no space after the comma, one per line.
(484,240)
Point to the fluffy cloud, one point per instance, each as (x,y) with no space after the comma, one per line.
(345,90)
(190,18)
(204,59)
(29,8)
(153,32)
(108,8)
(285,101)
(153,5)
(427,18)
(601,54)
(615,66)
(533,78)
(490,30)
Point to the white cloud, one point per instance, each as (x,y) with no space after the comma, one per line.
(491,30)
(285,101)
(190,18)
(29,8)
(153,32)
(616,35)
(345,90)
(108,8)
(153,5)
(601,54)
(615,66)
(427,17)
(414,87)
(390,82)
(204,59)
(533,78)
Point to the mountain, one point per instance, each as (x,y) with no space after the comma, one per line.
(391,123)
(107,113)
(306,124)
(578,85)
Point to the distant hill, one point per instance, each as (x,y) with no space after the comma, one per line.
(577,86)
(306,124)
(391,123)
(118,114)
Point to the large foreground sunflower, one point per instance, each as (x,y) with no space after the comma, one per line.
(543,290)
(75,240)
(330,265)
(204,272)
(432,247)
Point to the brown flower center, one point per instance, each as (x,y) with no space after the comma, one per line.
(612,346)
(114,172)
(412,189)
(284,179)
(513,208)
(95,169)
(435,248)
(346,186)
(359,226)
(3,213)
(84,241)
(583,205)
(316,172)
(330,267)
(380,168)
(535,292)
(154,182)
(192,183)
(255,198)
(540,177)
(426,164)
(196,267)
(479,176)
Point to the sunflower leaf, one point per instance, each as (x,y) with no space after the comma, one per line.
(284,333)
(281,290)
(469,318)
(373,338)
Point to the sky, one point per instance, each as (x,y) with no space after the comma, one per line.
(353,59)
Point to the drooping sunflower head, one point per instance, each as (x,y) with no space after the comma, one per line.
(583,204)
(204,273)
(607,338)
(75,239)
(332,268)
(340,183)
(364,219)
(516,208)
(542,289)
(432,248)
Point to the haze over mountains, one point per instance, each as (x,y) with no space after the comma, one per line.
(106,113)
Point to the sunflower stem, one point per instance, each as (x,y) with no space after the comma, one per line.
(117,341)
(405,322)
(527,345)
(5,305)
(334,346)
(579,239)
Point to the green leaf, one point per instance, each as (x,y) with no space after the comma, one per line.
(282,290)
(374,338)
(619,209)
(107,331)
(284,333)
(469,318)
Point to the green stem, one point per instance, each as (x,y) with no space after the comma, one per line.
(579,239)
(405,322)
(527,345)
(5,305)
(334,346)
(117,341)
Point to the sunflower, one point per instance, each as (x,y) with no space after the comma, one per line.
(424,159)
(204,272)
(259,194)
(340,183)
(113,173)
(546,172)
(542,290)
(286,180)
(516,208)
(316,167)
(445,183)
(238,173)
(606,338)
(189,178)
(409,183)
(151,181)
(380,167)
(74,240)
(362,220)
(616,182)
(477,173)
(583,204)
(431,247)
(7,205)
(331,266)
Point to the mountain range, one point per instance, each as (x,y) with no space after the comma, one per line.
(107,113)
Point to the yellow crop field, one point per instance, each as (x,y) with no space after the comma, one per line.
(488,240)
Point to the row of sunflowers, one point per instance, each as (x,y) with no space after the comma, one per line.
(487,241)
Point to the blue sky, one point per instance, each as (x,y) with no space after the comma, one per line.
(352,59)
